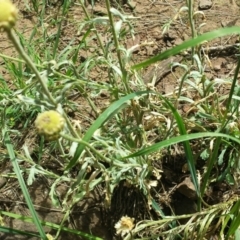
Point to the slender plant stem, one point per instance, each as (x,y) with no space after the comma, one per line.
(87,145)
(93,150)
(215,208)
(210,165)
(84,93)
(11,58)
(226,117)
(26,58)
(96,33)
(234,82)
(116,43)
(105,52)
(192,23)
(218,141)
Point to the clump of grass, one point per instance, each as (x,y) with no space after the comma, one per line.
(123,140)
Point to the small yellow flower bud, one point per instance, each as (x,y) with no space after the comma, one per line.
(50,124)
(8,14)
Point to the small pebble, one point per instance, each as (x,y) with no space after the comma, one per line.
(217,67)
(205,4)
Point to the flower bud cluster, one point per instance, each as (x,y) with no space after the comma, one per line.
(50,124)
(8,14)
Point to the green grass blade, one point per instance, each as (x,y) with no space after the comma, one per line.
(15,231)
(237,234)
(235,219)
(210,165)
(225,120)
(166,143)
(65,9)
(233,86)
(187,44)
(13,159)
(187,147)
(49,224)
(159,210)
(106,115)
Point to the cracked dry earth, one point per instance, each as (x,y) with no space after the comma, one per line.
(90,215)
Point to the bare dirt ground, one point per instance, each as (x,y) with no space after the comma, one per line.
(91,215)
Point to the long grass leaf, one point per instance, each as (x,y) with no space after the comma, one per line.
(106,115)
(187,147)
(235,223)
(17,232)
(187,44)
(13,159)
(174,140)
(51,225)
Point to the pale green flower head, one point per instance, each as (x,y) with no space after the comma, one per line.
(8,14)
(50,124)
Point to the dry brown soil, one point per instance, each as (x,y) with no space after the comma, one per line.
(91,216)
